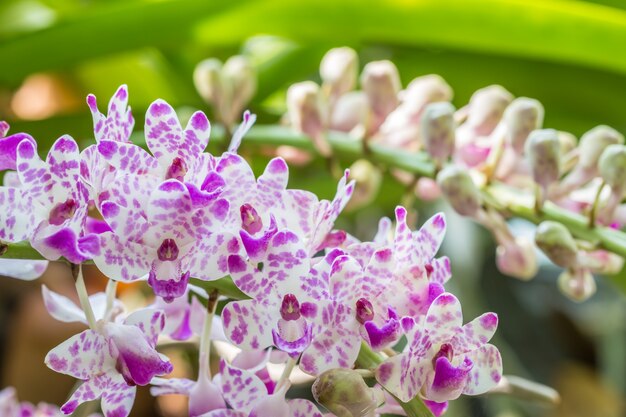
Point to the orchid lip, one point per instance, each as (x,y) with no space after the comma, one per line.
(168,251)
(446,351)
(62,212)
(364,311)
(290,308)
(177,170)
(250,220)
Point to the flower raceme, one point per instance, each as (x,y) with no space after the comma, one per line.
(177,212)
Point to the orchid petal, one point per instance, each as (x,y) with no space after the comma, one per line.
(119,122)
(61,307)
(128,157)
(475,334)
(248,323)
(303,408)
(8,149)
(81,356)
(123,260)
(487,370)
(162,386)
(444,318)
(242,389)
(26,270)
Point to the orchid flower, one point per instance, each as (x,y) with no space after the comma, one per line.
(111,358)
(49,209)
(444,358)
(11,407)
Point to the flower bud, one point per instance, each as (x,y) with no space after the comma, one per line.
(339,70)
(557,243)
(437,130)
(567,142)
(578,284)
(368,179)
(602,262)
(543,153)
(207,79)
(486,108)
(344,393)
(304,106)
(381,82)
(517,258)
(241,80)
(522,116)
(426,89)
(460,190)
(612,166)
(349,111)
(594,142)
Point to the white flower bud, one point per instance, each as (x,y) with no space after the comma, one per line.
(241,81)
(486,108)
(543,151)
(381,82)
(460,190)
(339,70)
(517,258)
(522,116)
(437,130)
(368,180)
(305,109)
(594,142)
(426,89)
(207,79)
(578,284)
(612,166)
(557,243)
(350,110)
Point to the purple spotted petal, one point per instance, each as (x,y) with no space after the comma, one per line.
(124,222)
(292,336)
(14,215)
(169,212)
(338,345)
(225,413)
(81,356)
(162,386)
(249,323)
(149,321)
(303,408)
(444,318)
(242,389)
(402,375)
(210,258)
(429,238)
(128,157)
(8,149)
(117,396)
(440,270)
(475,334)
(118,124)
(166,138)
(487,371)
(123,260)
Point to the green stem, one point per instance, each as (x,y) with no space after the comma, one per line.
(368,359)
(83,296)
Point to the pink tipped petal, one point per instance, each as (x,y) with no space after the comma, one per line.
(383,233)
(476,333)
(61,307)
(444,318)
(197,135)
(428,239)
(163,131)
(8,149)
(81,356)
(487,370)
(242,389)
(118,124)
(249,324)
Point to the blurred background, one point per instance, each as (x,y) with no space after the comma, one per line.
(570,55)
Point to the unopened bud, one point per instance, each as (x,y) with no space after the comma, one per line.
(522,116)
(304,106)
(207,79)
(594,142)
(543,151)
(437,130)
(339,70)
(612,166)
(368,179)
(381,82)
(426,89)
(602,262)
(349,111)
(241,80)
(345,394)
(557,243)
(517,258)
(567,142)
(486,108)
(578,284)
(460,190)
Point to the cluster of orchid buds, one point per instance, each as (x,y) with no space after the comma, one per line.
(369,324)
(490,159)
